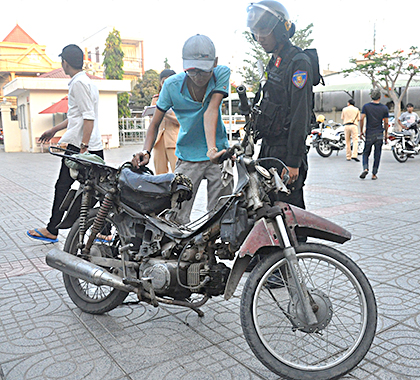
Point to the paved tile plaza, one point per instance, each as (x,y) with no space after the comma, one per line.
(43,336)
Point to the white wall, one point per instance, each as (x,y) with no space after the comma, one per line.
(108,117)
(37,94)
(36,101)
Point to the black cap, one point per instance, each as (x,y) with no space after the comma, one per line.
(166,73)
(73,55)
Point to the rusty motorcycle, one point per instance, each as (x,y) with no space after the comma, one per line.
(307,310)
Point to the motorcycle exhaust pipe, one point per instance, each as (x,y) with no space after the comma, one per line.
(406,151)
(334,146)
(76,267)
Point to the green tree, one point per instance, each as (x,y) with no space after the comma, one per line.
(385,70)
(301,37)
(250,72)
(166,64)
(144,90)
(113,62)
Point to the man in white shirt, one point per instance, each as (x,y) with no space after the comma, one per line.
(82,133)
(406,120)
(409,117)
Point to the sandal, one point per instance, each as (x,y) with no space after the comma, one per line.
(364,174)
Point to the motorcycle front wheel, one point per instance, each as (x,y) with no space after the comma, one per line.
(397,151)
(360,146)
(88,297)
(324,148)
(274,326)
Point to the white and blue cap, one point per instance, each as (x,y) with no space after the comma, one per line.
(199,53)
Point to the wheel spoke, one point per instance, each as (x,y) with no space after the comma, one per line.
(97,298)
(280,321)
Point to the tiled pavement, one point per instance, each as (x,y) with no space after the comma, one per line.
(44,336)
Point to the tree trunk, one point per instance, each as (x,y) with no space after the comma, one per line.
(397,112)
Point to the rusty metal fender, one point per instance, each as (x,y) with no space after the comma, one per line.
(312,225)
(261,235)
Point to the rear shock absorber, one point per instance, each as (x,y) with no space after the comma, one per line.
(84,210)
(99,221)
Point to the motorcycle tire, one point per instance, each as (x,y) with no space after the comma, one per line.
(88,297)
(397,151)
(324,148)
(360,147)
(347,315)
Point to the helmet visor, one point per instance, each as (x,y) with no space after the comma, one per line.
(261,20)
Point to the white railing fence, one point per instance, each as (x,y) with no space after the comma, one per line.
(132,130)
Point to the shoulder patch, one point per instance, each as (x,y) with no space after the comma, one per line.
(299,78)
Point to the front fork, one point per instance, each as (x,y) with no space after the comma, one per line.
(300,292)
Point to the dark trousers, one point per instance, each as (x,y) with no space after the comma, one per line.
(376,142)
(62,186)
(295,197)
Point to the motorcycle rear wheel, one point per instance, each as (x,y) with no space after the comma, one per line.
(324,148)
(397,151)
(347,305)
(88,297)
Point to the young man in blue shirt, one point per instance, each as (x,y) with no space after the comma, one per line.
(195,96)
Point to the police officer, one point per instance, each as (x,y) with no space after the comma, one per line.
(287,95)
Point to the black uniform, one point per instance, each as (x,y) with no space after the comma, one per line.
(286,113)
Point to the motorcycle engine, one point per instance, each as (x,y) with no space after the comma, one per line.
(195,277)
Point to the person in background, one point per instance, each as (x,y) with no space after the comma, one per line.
(320,121)
(165,144)
(82,133)
(351,116)
(376,115)
(195,96)
(407,119)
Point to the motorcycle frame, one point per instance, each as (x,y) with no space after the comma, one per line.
(277,228)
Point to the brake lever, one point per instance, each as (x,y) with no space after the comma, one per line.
(280,184)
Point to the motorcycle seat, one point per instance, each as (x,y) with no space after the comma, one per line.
(401,133)
(151,194)
(158,185)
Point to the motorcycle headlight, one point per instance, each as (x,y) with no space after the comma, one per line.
(263,171)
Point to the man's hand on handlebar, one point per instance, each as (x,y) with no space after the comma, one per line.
(293,174)
(215,156)
(140,159)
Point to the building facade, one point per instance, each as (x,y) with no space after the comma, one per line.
(21,56)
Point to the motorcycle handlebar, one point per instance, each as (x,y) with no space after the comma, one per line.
(227,155)
(244,106)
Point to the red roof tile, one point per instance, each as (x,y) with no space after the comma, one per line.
(59,73)
(20,36)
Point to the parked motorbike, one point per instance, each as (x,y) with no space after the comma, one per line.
(405,144)
(330,137)
(307,310)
